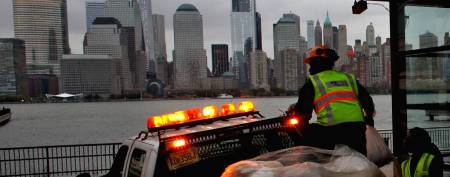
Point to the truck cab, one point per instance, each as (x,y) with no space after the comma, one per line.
(202,143)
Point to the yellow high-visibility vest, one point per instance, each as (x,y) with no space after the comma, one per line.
(423,165)
(335,98)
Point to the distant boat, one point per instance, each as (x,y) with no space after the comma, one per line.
(225,96)
(5,115)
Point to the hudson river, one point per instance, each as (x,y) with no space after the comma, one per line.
(104,122)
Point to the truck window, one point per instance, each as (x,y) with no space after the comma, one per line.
(136,163)
(117,166)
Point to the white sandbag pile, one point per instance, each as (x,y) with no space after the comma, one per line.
(377,151)
(303,161)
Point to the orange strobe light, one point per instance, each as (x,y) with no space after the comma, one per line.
(228,109)
(293,121)
(157,121)
(179,143)
(246,106)
(210,112)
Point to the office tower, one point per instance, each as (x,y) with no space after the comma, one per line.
(145,12)
(13,71)
(386,57)
(370,35)
(358,48)
(310,33)
(243,31)
(342,45)
(447,59)
(286,72)
(46,39)
(258,31)
(335,38)
(328,32)
(219,59)
(89,75)
(107,37)
(429,67)
(189,55)
(286,51)
(159,38)
(258,70)
(446,39)
(94,10)
(301,66)
(318,34)
(128,13)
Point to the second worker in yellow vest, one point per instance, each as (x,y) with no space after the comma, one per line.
(342,105)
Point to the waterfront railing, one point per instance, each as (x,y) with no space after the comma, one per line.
(70,160)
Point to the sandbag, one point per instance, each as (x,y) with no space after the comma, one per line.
(304,161)
(377,151)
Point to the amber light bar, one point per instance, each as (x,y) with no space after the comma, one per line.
(189,116)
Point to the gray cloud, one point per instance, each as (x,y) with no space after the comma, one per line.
(216,19)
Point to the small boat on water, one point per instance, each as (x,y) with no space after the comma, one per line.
(225,96)
(5,115)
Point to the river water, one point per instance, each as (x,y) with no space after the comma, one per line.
(104,122)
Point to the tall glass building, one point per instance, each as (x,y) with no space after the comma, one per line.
(13,72)
(243,33)
(93,10)
(43,26)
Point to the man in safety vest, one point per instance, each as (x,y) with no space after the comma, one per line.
(426,159)
(342,105)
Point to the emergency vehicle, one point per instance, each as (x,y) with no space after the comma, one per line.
(202,142)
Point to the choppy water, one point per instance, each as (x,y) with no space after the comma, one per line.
(77,123)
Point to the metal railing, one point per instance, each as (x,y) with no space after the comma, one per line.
(57,160)
(71,160)
(439,136)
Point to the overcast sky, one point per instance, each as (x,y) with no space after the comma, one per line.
(216,19)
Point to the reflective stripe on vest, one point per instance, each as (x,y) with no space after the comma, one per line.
(336,98)
(422,168)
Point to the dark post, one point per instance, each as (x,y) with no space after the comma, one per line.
(398,76)
(48,161)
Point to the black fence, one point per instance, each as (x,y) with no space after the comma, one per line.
(66,160)
(70,160)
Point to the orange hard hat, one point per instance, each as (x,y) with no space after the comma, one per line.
(321,51)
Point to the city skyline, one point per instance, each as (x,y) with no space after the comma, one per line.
(217,31)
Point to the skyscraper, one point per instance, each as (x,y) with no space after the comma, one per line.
(128,13)
(446,39)
(243,31)
(159,38)
(258,70)
(370,35)
(13,71)
(93,10)
(301,67)
(286,34)
(378,43)
(107,37)
(335,38)
(318,34)
(46,38)
(145,11)
(429,67)
(219,59)
(189,54)
(328,32)
(258,32)
(342,45)
(310,33)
